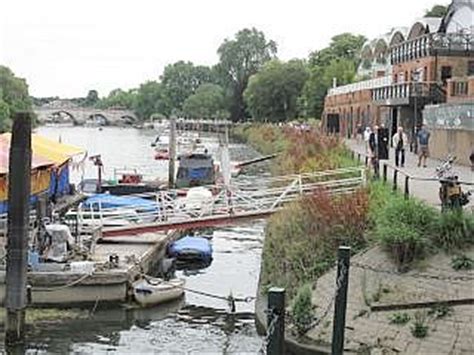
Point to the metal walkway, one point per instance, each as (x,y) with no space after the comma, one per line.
(245,198)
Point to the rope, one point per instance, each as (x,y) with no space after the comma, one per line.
(229,298)
(52,289)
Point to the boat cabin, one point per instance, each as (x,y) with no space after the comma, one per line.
(195,169)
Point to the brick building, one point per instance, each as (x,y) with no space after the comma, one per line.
(421,73)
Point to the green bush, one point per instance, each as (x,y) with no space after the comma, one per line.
(404,227)
(454,230)
(302,309)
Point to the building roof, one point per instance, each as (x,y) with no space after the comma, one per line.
(46,152)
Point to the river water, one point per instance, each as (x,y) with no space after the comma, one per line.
(195,325)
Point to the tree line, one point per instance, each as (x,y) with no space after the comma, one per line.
(249,81)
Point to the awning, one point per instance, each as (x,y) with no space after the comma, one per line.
(36,160)
(48,149)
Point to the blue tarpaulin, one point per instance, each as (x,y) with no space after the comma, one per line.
(112,201)
(195,245)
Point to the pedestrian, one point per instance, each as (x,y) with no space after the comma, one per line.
(400,141)
(423,139)
(360,132)
(367,133)
(374,150)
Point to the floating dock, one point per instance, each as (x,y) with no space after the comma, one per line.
(110,282)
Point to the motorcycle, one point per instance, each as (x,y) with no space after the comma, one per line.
(450,191)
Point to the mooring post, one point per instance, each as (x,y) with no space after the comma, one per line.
(407,188)
(395,175)
(342,283)
(19,180)
(276,321)
(172,151)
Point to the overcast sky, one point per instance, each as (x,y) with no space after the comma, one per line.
(66,47)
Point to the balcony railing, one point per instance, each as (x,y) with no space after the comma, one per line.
(402,93)
(361,85)
(430,44)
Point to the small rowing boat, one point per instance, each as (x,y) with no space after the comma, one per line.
(150,291)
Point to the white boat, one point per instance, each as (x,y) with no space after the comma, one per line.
(151,291)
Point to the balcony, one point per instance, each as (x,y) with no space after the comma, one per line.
(361,85)
(404,93)
(433,44)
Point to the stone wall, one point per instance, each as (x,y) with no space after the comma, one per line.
(459,143)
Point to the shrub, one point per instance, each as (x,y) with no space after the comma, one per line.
(302,310)
(453,230)
(403,227)
(302,239)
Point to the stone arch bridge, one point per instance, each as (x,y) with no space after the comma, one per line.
(80,116)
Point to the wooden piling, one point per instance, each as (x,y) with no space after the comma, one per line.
(172,151)
(19,178)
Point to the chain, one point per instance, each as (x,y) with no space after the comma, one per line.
(421,276)
(269,333)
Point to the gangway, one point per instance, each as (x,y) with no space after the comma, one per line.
(244,199)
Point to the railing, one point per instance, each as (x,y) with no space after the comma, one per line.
(405,91)
(398,178)
(361,85)
(448,43)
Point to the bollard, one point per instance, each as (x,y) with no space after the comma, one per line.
(385,173)
(340,305)
(407,190)
(395,174)
(276,331)
(358,157)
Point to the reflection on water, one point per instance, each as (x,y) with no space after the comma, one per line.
(194,325)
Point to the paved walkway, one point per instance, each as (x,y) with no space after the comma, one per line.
(424,190)
(375,285)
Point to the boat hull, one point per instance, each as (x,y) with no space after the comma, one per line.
(149,292)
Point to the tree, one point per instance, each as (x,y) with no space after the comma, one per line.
(272,94)
(339,60)
(119,98)
(207,102)
(14,97)
(181,79)
(151,99)
(437,11)
(240,58)
(92,98)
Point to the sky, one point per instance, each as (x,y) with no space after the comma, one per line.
(67,47)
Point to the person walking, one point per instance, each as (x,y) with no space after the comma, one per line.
(374,150)
(400,142)
(367,133)
(423,139)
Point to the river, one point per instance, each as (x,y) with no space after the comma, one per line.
(195,325)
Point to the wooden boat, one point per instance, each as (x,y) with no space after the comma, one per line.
(150,291)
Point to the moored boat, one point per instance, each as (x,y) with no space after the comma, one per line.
(191,250)
(150,291)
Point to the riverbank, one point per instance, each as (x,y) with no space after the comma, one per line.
(301,242)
